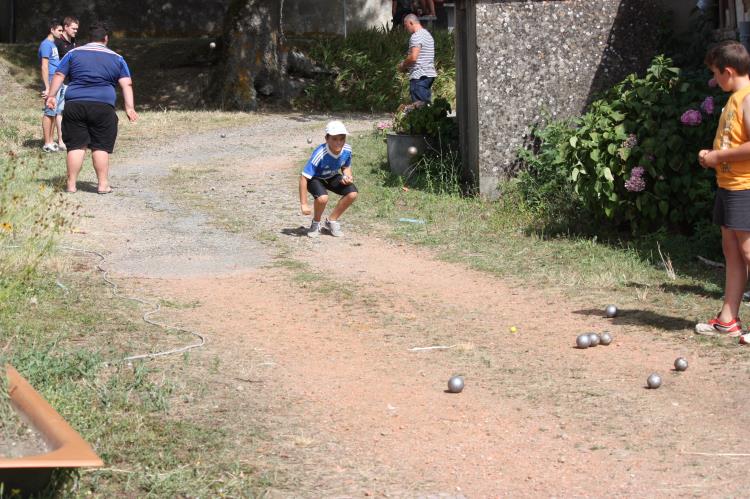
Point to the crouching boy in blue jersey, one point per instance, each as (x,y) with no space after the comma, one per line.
(329,169)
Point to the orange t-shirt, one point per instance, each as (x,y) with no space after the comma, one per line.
(734,176)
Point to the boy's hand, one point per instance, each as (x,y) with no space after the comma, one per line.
(346,180)
(306,209)
(708,158)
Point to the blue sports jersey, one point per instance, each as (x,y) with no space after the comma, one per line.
(323,164)
(94,72)
(48,50)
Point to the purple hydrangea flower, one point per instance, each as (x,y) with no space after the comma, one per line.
(708,105)
(691,117)
(712,83)
(630,142)
(636,183)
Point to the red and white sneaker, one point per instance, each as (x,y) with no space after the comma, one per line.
(715,327)
(745,339)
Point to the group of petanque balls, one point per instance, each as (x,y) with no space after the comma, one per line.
(586,340)
(592,339)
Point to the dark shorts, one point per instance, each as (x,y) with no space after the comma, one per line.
(421,89)
(320,186)
(89,124)
(732,209)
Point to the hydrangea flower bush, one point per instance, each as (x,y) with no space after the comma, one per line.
(632,158)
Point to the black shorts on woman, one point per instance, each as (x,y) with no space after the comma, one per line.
(89,124)
(317,186)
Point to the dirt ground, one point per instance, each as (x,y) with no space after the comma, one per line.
(313,341)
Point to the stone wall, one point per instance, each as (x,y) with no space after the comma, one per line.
(181,18)
(549,58)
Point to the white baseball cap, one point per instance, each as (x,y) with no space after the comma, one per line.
(336,128)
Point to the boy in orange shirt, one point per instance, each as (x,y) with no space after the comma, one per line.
(730,157)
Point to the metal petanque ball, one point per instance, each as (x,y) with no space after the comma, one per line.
(412,151)
(594,339)
(455,384)
(223,136)
(610,311)
(680,364)
(583,341)
(309,140)
(605,339)
(654,381)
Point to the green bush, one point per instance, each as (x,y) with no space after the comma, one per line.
(431,120)
(362,75)
(632,158)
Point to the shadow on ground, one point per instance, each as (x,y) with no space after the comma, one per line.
(633,317)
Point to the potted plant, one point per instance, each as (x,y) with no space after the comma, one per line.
(417,128)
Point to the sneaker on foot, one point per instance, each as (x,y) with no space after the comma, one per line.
(715,327)
(62,147)
(745,339)
(49,148)
(314,230)
(334,227)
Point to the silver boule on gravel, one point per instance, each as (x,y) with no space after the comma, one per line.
(680,364)
(412,151)
(456,384)
(605,338)
(583,341)
(610,311)
(594,338)
(653,381)
(309,140)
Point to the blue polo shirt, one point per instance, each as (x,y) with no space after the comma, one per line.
(48,50)
(94,72)
(323,163)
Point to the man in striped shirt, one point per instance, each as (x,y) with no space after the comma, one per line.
(420,61)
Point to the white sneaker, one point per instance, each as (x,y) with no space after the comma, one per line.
(314,230)
(334,227)
(49,148)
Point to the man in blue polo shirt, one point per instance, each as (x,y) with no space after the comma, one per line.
(49,60)
(89,118)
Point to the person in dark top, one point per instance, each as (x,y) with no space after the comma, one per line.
(67,41)
(399,10)
(89,119)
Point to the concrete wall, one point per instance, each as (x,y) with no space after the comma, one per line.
(548,56)
(180,18)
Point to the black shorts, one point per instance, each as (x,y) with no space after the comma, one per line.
(89,124)
(732,209)
(320,186)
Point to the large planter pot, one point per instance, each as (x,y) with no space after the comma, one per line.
(400,160)
(31,474)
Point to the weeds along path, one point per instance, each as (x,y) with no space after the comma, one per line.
(309,365)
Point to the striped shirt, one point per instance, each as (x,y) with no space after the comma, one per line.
(425,65)
(324,164)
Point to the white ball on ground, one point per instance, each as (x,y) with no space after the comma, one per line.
(455,384)
(610,311)
(583,341)
(212,45)
(654,381)
(412,151)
